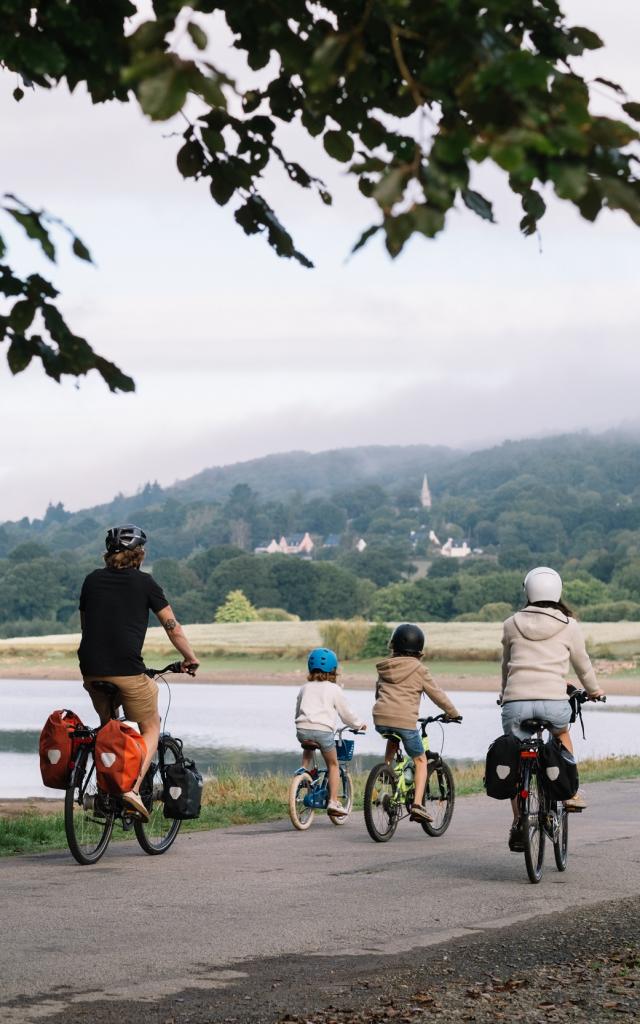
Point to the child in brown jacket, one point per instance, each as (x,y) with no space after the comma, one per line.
(402,679)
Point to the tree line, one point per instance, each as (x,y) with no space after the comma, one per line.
(573,503)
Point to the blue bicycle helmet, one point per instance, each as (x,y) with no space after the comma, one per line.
(321,659)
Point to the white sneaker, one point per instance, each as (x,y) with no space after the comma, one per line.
(576,803)
(133,802)
(336,808)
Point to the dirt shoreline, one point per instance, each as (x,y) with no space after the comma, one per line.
(236,676)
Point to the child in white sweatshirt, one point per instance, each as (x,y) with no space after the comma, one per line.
(320,702)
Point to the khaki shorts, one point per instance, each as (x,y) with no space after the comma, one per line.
(138,696)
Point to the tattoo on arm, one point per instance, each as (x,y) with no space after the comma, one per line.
(170,625)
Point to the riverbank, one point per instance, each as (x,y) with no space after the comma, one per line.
(36,825)
(619,678)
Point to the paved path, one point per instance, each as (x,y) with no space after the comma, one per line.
(70,934)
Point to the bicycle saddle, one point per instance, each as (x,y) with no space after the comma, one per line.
(109,688)
(310,745)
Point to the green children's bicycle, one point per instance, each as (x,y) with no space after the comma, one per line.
(389,791)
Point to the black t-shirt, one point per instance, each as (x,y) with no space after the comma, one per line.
(115,604)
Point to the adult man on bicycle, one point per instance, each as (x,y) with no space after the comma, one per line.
(114,613)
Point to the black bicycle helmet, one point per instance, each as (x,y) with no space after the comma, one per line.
(125,538)
(407,638)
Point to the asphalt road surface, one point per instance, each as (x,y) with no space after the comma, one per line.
(131,935)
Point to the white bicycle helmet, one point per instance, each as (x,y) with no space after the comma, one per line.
(542,584)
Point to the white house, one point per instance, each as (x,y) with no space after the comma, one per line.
(451,550)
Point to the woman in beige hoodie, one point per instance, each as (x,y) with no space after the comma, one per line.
(540,643)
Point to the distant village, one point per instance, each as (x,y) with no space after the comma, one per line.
(303,545)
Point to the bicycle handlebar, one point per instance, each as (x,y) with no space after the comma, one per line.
(582,696)
(175,666)
(446,719)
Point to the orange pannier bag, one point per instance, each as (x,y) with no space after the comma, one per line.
(120,751)
(56,748)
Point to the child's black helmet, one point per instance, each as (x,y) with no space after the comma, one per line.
(407,638)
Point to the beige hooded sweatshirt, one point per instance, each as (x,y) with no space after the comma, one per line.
(400,684)
(539,644)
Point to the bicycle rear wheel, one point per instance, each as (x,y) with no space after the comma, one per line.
(380,808)
(88,813)
(561,839)
(301,815)
(346,799)
(534,834)
(158,833)
(439,798)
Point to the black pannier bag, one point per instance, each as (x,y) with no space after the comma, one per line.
(502,767)
(559,769)
(182,790)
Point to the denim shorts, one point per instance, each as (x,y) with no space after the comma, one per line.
(556,712)
(325,738)
(411,738)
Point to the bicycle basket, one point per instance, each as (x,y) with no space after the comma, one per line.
(344,749)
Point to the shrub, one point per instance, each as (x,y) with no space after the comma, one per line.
(611,611)
(276,615)
(347,639)
(236,608)
(495,611)
(377,643)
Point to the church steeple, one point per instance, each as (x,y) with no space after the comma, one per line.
(425,493)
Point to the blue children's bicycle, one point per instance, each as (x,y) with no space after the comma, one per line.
(309,790)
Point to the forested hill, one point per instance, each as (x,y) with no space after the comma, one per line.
(572,501)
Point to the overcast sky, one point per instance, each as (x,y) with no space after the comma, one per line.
(472,338)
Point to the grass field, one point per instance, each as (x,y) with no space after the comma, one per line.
(240,800)
(282,646)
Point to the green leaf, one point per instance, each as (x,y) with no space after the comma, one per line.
(611,85)
(314,123)
(533,204)
(589,39)
(19,355)
(190,159)
(508,156)
(338,145)
(80,250)
(163,95)
(213,140)
(34,228)
(391,187)
(632,109)
(221,188)
(365,236)
(22,314)
(570,180)
(427,220)
(209,87)
(477,202)
(372,133)
(198,35)
(621,196)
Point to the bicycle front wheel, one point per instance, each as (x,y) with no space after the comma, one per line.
(380,807)
(88,813)
(439,798)
(561,838)
(158,833)
(346,799)
(301,815)
(534,834)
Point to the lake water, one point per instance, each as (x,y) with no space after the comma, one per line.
(251,727)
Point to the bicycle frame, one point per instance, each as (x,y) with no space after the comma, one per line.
(318,795)
(403,796)
(529,760)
